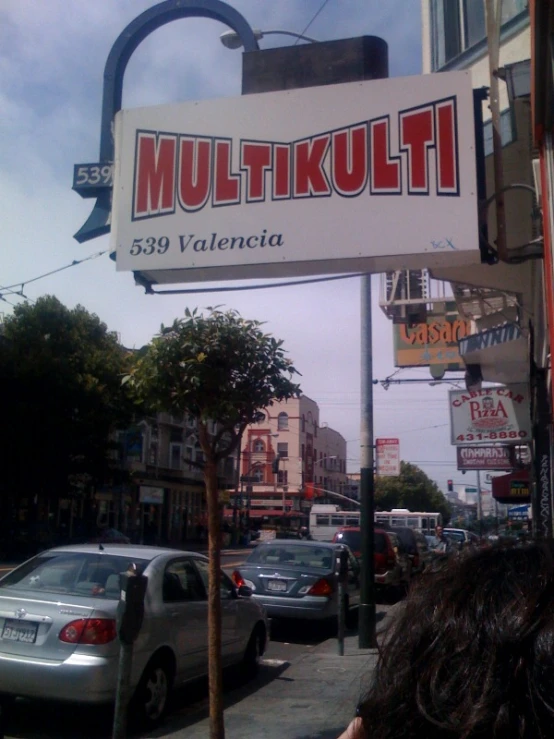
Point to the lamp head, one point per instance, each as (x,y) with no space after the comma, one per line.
(231,39)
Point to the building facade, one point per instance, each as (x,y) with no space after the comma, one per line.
(311,460)
(508,298)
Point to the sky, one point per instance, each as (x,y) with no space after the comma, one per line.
(52,56)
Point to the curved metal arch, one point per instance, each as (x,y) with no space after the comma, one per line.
(98,223)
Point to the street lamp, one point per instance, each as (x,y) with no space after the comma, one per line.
(232,40)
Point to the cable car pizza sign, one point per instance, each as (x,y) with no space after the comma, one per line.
(499,414)
(365,175)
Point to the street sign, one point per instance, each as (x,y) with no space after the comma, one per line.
(387,457)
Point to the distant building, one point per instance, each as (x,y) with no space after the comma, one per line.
(312,460)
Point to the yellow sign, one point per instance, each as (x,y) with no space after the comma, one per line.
(434,342)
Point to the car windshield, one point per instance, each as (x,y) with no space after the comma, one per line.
(456,535)
(293,556)
(73,573)
(352,539)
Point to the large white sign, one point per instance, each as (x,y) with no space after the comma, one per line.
(371,176)
(387,457)
(499,414)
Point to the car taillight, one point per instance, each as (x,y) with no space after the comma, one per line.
(391,557)
(321,587)
(380,564)
(89,631)
(238,579)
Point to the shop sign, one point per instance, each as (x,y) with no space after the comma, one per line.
(255,186)
(151,495)
(499,414)
(434,342)
(519,488)
(484,458)
(387,457)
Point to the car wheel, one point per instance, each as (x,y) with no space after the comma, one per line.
(149,703)
(7,705)
(254,651)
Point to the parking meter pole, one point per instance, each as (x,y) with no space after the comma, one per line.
(122,691)
(340,633)
(130,615)
(342,569)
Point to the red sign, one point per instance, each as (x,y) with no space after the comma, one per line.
(388,457)
(484,458)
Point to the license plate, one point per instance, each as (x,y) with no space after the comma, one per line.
(17,631)
(277,585)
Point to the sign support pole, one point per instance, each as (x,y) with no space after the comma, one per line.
(367,615)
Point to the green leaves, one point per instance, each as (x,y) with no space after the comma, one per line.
(412,489)
(218,366)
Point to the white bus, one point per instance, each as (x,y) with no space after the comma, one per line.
(326,519)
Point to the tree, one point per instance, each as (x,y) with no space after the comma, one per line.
(219,367)
(412,489)
(61,396)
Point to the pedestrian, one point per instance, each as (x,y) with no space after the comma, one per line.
(443,545)
(471,653)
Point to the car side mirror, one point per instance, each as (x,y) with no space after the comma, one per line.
(243,591)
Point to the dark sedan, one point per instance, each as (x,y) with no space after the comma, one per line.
(299,579)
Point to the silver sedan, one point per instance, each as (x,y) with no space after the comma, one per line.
(300,579)
(58,637)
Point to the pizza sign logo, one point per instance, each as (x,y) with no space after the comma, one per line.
(488,414)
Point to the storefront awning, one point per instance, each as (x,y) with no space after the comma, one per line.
(514,487)
(502,354)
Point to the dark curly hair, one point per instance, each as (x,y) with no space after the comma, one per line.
(471,654)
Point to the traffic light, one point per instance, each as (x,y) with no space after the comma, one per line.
(450,486)
(275,466)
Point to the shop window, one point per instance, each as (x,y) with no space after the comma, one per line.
(175,456)
(282,421)
(459,25)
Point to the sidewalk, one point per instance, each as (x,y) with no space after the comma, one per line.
(315,697)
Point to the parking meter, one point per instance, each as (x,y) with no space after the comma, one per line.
(130,609)
(342,566)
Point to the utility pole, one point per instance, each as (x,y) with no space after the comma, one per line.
(367,615)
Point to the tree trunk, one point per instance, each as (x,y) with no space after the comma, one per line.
(215,674)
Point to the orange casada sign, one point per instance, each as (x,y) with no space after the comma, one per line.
(253,186)
(497,414)
(431,343)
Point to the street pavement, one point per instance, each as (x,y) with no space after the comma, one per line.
(312,697)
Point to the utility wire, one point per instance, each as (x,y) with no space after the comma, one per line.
(196,290)
(312,20)
(74,263)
